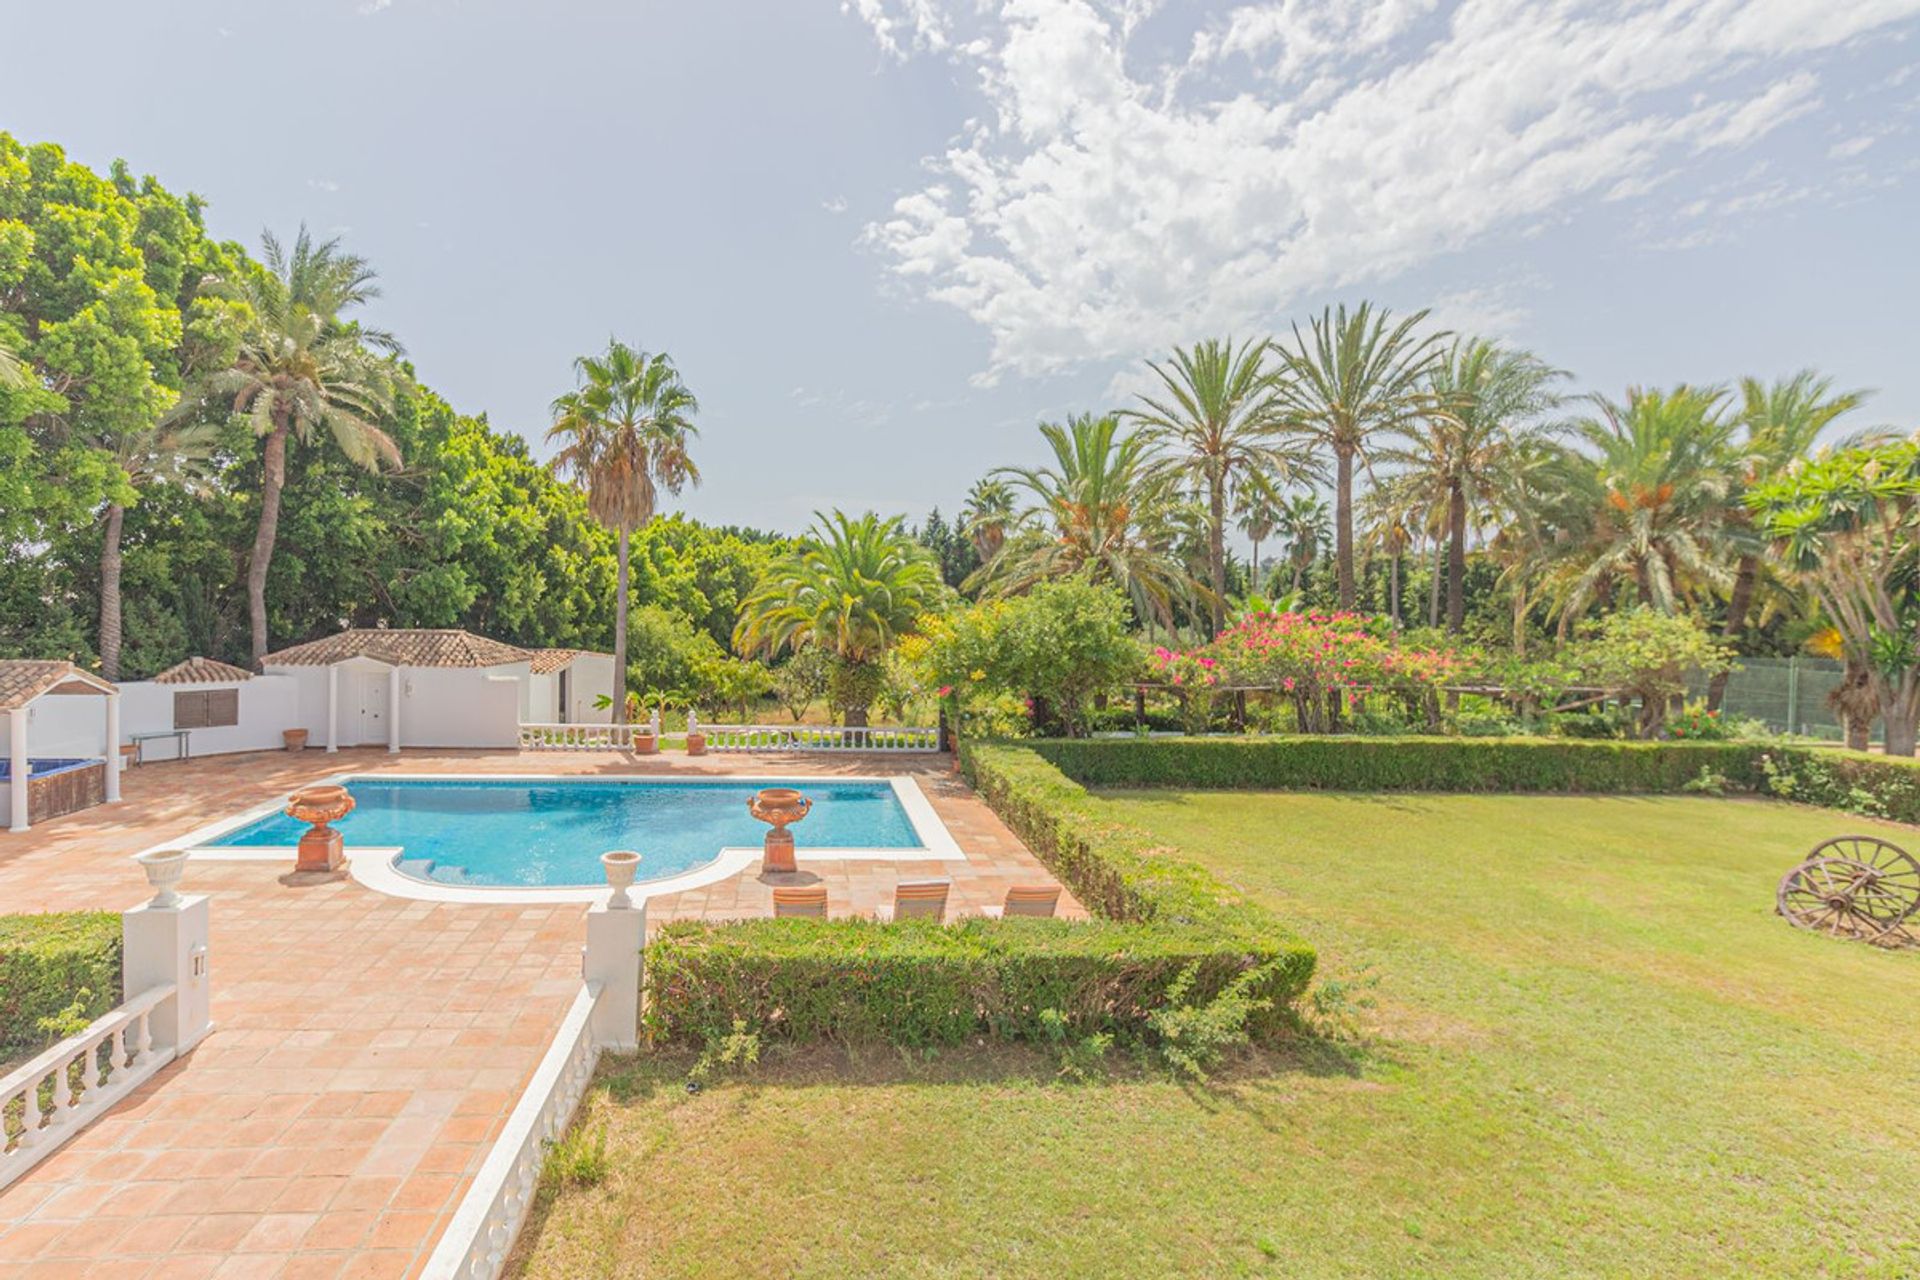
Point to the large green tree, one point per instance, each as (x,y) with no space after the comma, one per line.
(624,434)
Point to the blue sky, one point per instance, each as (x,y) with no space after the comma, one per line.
(884,238)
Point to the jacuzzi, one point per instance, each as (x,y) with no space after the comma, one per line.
(55,785)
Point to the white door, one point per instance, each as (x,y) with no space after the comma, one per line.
(373,710)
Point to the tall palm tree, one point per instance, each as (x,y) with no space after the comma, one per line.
(1779,425)
(1258,505)
(1303,528)
(1359,375)
(853,589)
(984,518)
(164,452)
(1485,401)
(1100,509)
(300,371)
(1653,491)
(624,433)
(1214,420)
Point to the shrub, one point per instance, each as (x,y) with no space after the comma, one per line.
(45,962)
(1648,655)
(915,983)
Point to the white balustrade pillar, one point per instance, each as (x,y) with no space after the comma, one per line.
(333,709)
(17,764)
(168,944)
(615,936)
(393,710)
(113,747)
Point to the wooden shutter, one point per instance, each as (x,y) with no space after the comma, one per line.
(223,707)
(190,710)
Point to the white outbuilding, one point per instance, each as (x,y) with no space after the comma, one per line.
(42,784)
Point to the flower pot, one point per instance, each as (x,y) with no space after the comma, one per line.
(696,744)
(620,866)
(645,744)
(322,848)
(164,867)
(779,806)
(296,739)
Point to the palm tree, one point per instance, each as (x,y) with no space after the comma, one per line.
(165,451)
(1303,529)
(1214,420)
(13,370)
(1652,497)
(1258,505)
(1485,400)
(625,430)
(1101,509)
(1360,376)
(1779,425)
(984,518)
(853,589)
(300,371)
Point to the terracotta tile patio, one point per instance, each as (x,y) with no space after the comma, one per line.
(367,1049)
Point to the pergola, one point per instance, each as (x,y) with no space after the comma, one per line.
(23,682)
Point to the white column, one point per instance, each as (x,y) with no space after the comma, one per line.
(615,936)
(17,762)
(333,709)
(393,709)
(164,945)
(113,747)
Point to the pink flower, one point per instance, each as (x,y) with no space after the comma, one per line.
(943,691)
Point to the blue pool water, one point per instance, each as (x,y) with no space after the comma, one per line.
(553,833)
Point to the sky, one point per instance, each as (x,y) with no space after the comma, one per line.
(882,239)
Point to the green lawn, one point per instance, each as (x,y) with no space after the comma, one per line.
(1595,1052)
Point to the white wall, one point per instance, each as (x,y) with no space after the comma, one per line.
(543,691)
(75,725)
(462,706)
(592,678)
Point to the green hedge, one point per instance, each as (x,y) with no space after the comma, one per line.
(1874,785)
(46,961)
(1341,763)
(912,983)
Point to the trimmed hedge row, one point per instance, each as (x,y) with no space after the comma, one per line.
(1338,763)
(1877,785)
(46,961)
(913,983)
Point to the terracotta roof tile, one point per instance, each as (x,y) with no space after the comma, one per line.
(545,660)
(202,671)
(24,679)
(400,647)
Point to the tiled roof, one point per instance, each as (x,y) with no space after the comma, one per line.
(545,660)
(24,679)
(400,647)
(202,671)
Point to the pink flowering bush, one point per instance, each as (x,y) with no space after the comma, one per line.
(1193,675)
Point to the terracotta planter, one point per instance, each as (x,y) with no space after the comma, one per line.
(781,807)
(321,848)
(645,744)
(296,739)
(696,744)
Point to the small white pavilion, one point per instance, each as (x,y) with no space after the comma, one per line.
(23,683)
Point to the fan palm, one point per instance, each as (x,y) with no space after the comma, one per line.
(1214,420)
(1652,496)
(301,372)
(1359,375)
(986,514)
(1258,506)
(624,433)
(1101,509)
(853,590)
(1304,531)
(1485,401)
(13,370)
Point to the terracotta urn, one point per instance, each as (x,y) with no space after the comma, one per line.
(779,806)
(296,739)
(696,743)
(645,744)
(320,848)
(620,865)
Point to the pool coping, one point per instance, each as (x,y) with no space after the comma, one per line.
(373,865)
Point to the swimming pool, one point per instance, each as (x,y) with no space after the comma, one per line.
(551,832)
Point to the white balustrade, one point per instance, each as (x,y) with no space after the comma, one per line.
(810,737)
(577,737)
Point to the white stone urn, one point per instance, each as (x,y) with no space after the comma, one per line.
(164,867)
(620,864)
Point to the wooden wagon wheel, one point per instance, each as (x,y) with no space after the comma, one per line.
(1835,896)
(1888,891)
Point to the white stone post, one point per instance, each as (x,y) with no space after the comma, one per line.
(653,725)
(168,944)
(113,747)
(616,932)
(333,708)
(393,710)
(17,763)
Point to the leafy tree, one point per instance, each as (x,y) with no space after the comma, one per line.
(1645,653)
(1100,510)
(1358,377)
(802,678)
(1215,421)
(853,589)
(951,549)
(625,432)
(301,372)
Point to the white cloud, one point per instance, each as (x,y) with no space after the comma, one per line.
(838,204)
(323,184)
(1850,148)
(1111,199)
